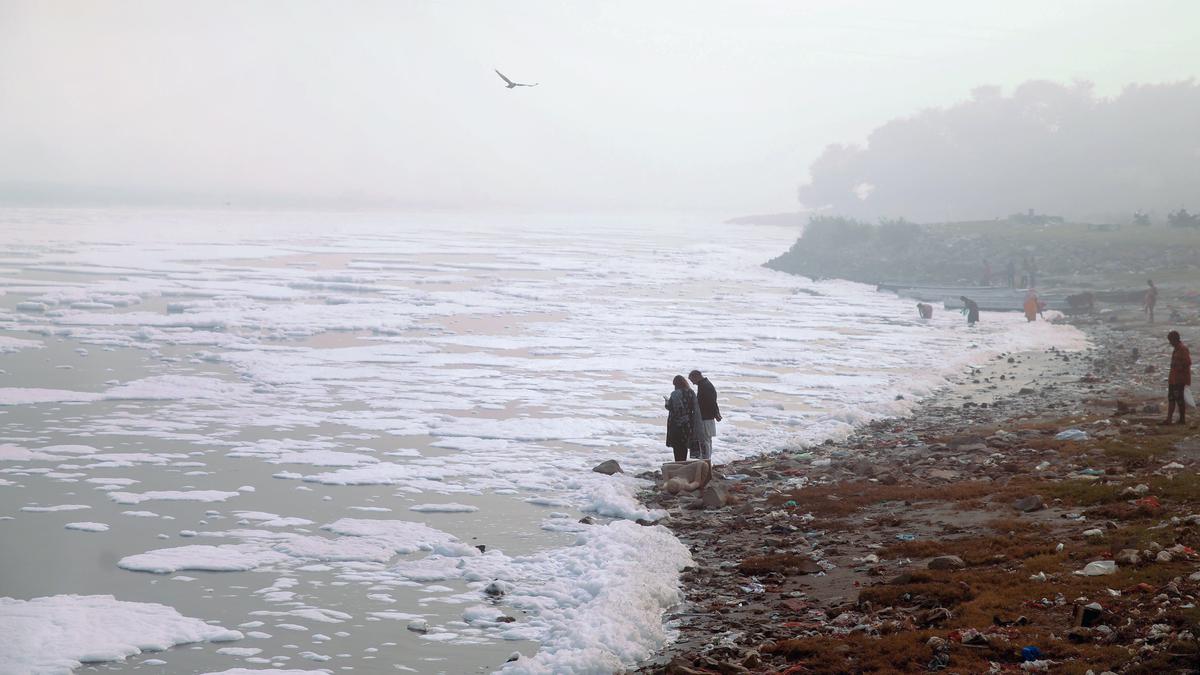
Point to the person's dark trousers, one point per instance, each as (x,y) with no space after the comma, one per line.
(680,452)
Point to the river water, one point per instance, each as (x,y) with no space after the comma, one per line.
(363,441)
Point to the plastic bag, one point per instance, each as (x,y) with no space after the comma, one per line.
(1188,399)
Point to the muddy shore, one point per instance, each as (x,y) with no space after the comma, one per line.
(951,540)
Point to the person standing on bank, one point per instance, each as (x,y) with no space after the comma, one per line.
(710,412)
(684,427)
(1180,377)
(1151,299)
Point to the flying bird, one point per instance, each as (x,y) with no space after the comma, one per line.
(512,84)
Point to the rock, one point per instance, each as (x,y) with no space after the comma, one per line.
(1080,635)
(1128,557)
(1094,533)
(714,495)
(678,666)
(498,588)
(1163,557)
(1029,504)
(419,626)
(1025,391)
(587,520)
(504,618)
(947,562)
(482,548)
(608,467)
(515,656)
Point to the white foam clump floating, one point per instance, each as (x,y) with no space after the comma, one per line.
(171,495)
(443,508)
(54,635)
(224,558)
(271,671)
(53,509)
(87,527)
(597,607)
(12,344)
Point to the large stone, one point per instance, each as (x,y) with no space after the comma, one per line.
(1030,503)
(608,467)
(947,562)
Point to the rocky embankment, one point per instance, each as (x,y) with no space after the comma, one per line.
(1035,518)
(1066,256)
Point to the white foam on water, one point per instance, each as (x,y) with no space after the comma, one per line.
(443,508)
(476,363)
(87,527)
(54,635)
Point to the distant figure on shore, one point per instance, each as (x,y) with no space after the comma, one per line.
(971,309)
(1032,306)
(1010,271)
(1179,377)
(1033,272)
(1151,299)
(710,412)
(684,424)
(986,280)
(1025,272)
(925,310)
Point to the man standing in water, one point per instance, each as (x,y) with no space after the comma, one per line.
(1180,376)
(971,308)
(710,412)
(1151,299)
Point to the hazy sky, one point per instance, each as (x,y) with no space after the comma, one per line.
(644,104)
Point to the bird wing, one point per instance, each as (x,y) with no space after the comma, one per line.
(503,77)
(528,85)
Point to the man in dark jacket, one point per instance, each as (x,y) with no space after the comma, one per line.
(710,412)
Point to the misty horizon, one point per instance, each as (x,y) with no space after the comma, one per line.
(711,110)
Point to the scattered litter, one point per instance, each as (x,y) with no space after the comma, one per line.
(1098,568)
(1031,653)
(1071,435)
(906,537)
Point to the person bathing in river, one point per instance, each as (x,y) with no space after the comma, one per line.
(1032,306)
(710,412)
(925,310)
(971,308)
(1179,377)
(684,424)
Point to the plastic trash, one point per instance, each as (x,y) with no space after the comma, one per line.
(1031,653)
(1071,435)
(1098,568)
(790,502)
(906,537)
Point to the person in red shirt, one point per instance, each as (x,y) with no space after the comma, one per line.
(1179,377)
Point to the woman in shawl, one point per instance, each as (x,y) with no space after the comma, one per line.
(1031,305)
(683,420)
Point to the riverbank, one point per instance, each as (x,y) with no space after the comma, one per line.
(952,539)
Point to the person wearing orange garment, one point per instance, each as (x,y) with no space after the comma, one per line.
(1031,305)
